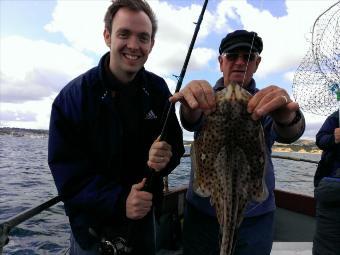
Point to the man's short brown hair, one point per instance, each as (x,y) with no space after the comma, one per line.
(135,5)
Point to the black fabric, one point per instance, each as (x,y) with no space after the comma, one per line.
(327,235)
(201,234)
(324,167)
(325,140)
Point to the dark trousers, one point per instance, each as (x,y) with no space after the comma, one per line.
(327,235)
(201,234)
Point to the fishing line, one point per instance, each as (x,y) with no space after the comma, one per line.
(244,77)
(251,48)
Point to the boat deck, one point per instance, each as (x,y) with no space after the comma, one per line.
(292,248)
(279,248)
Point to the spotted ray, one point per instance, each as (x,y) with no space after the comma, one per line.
(229,161)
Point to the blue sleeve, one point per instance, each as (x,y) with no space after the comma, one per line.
(289,140)
(325,137)
(191,127)
(75,174)
(174,136)
(173,132)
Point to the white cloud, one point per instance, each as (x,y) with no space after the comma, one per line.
(286,39)
(31,73)
(313,124)
(289,76)
(81,23)
(29,114)
(32,70)
(172,40)
(175,32)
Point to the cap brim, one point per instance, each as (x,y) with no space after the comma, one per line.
(239,45)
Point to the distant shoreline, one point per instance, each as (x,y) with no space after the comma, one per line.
(314,151)
(300,146)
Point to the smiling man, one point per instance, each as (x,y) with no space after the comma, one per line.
(282,121)
(130,38)
(103,138)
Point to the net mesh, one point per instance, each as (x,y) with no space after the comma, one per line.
(317,79)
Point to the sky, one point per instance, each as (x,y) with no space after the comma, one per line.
(46,43)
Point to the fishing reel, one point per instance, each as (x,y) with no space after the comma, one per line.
(118,246)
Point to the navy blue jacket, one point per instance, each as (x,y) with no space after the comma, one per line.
(92,156)
(326,142)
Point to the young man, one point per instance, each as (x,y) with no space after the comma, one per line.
(282,121)
(103,137)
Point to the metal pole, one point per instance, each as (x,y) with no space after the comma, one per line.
(281,157)
(6,227)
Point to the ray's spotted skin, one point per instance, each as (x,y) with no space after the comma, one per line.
(229,159)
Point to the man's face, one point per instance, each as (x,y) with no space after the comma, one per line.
(234,67)
(130,43)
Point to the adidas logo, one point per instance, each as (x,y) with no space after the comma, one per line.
(150,115)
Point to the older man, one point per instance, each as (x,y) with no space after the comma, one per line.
(282,121)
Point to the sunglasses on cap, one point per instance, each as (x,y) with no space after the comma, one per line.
(233,56)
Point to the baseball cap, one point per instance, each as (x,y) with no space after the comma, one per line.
(241,39)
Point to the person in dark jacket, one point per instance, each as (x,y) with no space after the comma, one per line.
(328,140)
(282,121)
(103,138)
(327,192)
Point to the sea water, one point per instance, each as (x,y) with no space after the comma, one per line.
(26,181)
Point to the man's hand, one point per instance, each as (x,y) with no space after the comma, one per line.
(139,202)
(196,96)
(159,155)
(274,101)
(337,135)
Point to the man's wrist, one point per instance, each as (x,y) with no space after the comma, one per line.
(294,121)
(190,121)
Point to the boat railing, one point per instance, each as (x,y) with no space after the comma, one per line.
(281,157)
(8,225)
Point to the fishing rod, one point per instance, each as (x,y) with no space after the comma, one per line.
(185,65)
(153,173)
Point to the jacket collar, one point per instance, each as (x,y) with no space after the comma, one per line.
(111,83)
(251,88)
(110,80)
